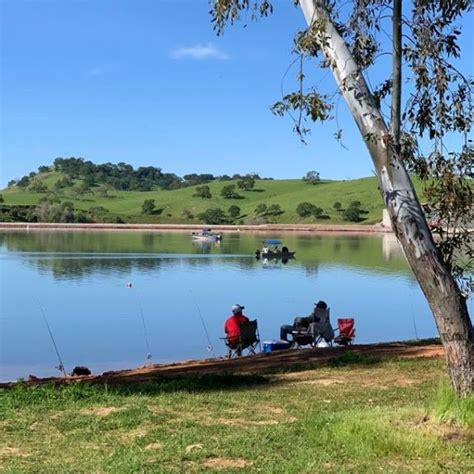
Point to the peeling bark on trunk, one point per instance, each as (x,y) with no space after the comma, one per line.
(408,220)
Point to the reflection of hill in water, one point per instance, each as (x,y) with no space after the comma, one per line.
(77,254)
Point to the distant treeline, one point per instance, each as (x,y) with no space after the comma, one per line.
(122,176)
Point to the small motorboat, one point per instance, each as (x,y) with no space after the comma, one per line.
(205,235)
(271,249)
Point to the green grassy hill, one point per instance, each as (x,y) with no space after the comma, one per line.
(180,206)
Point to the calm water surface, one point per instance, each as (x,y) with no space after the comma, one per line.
(80,280)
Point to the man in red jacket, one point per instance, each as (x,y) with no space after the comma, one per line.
(232,325)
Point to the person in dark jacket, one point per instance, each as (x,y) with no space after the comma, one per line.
(317,324)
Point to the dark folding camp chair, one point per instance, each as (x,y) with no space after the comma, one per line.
(303,336)
(249,340)
(346,331)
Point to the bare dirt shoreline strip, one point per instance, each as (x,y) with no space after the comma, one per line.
(263,228)
(258,364)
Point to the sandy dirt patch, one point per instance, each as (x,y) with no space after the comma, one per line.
(225,463)
(446,431)
(132,435)
(10,451)
(193,447)
(101,411)
(372,378)
(153,446)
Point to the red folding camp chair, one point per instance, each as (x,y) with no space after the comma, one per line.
(346,331)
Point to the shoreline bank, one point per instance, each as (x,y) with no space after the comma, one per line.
(257,364)
(262,228)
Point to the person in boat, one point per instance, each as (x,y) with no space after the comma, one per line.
(317,326)
(232,325)
(264,249)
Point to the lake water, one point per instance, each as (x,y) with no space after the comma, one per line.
(79,280)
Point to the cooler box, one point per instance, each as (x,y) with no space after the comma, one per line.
(271,346)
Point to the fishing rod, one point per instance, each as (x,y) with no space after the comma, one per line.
(209,347)
(145,333)
(60,367)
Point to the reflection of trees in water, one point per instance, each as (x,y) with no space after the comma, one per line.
(94,241)
(246,263)
(354,242)
(311,270)
(307,241)
(148,240)
(64,268)
(81,253)
(77,268)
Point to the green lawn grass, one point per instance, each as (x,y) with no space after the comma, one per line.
(172,206)
(357,417)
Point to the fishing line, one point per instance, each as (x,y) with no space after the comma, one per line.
(60,367)
(414,325)
(145,333)
(209,347)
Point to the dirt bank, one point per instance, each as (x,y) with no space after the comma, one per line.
(258,364)
(264,228)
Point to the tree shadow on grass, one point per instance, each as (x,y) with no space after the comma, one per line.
(157,212)
(191,384)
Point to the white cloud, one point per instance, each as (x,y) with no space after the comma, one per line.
(199,51)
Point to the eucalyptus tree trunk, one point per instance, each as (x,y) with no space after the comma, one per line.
(408,220)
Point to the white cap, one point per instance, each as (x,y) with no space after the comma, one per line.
(237,308)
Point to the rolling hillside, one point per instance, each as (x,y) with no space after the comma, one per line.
(180,206)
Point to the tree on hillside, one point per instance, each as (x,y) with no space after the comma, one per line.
(213,216)
(312,177)
(228,192)
(203,192)
(103,191)
(1,199)
(194,178)
(233,211)
(82,188)
(304,209)
(38,187)
(275,210)
(352,214)
(337,206)
(148,206)
(247,183)
(318,213)
(261,209)
(346,37)
(23,182)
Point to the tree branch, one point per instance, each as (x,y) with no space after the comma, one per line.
(396,73)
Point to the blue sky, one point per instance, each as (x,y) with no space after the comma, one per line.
(149,83)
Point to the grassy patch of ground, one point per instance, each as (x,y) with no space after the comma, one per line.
(348,417)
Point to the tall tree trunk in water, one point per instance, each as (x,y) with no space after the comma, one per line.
(408,221)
